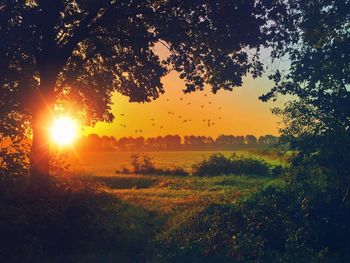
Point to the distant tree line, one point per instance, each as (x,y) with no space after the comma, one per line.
(94,142)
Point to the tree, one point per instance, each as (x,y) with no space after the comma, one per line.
(225,140)
(251,140)
(72,54)
(172,141)
(316,39)
(239,140)
(268,140)
(139,143)
(124,143)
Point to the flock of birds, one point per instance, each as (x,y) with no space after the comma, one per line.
(208,122)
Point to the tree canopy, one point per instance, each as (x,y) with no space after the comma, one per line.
(88,49)
(317,43)
(72,54)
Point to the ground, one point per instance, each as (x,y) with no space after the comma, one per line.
(166,194)
(117,218)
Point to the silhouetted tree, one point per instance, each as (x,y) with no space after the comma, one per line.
(108,143)
(209,140)
(138,143)
(124,143)
(172,141)
(225,140)
(198,141)
(150,143)
(251,140)
(74,54)
(268,140)
(239,140)
(317,123)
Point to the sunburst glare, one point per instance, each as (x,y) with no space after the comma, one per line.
(64,130)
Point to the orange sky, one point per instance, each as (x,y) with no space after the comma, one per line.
(240,111)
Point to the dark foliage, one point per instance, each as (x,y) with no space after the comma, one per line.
(218,164)
(142,164)
(70,221)
(273,225)
(316,40)
(93,142)
(75,54)
(14,146)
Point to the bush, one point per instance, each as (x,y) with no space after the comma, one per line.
(273,225)
(142,164)
(73,221)
(218,164)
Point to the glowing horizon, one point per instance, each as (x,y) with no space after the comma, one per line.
(237,112)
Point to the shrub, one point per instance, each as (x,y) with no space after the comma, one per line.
(273,225)
(218,164)
(74,221)
(142,164)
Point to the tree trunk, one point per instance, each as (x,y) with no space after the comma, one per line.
(40,150)
(41,119)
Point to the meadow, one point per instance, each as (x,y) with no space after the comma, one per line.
(102,216)
(158,203)
(106,163)
(114,217)
(164,193)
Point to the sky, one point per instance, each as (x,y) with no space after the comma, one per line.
(237,112)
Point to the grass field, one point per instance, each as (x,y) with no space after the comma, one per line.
(172,201)
(118,217)
(168,194)
(168,201)
(106,163)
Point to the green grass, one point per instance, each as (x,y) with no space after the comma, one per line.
(106,163)
(166,194)
(110,218)
(71,220)
(106,219)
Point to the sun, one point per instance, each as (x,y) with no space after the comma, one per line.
(64,130)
